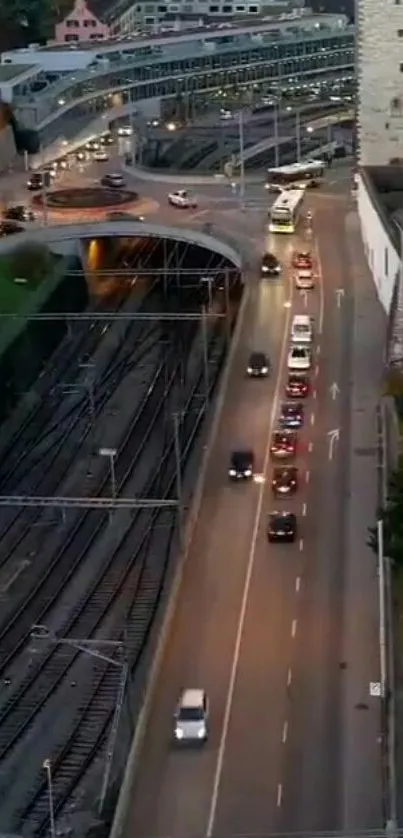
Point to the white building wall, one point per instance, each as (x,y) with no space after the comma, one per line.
(381,254)
(51,61)
(380,57)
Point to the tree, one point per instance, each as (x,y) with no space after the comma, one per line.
(31,261)
(31,20)
(392,517)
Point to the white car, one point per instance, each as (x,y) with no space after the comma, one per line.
(113,180)
(182,199)
(100,156)
(191,717)
(125,131)
(299,359)
(304,280)
(225,114)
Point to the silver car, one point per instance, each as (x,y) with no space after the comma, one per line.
(191,717)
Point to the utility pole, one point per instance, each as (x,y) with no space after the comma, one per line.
(44,183)
(205,357)
(110,453)
(241,160)
(90,385)
(276,138)
(89,647)
(124,676)
(382,610)
(298,133)
(133,136)
(178,471)
(227,304)
(47,765)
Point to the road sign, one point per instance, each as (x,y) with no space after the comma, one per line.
(375,689)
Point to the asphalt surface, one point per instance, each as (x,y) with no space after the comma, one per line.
(263,627)
(267,629)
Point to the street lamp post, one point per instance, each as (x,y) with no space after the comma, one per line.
(205,356)
(382,609)
(276,145)
(133,138)
(179,483)
(298,133)
(45,176)
(241,160)
(110,453)
(209,281)
(89,383)
(47,765)
(227,304)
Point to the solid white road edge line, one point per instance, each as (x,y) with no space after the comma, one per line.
(247,582)
(124,799)
(321,288)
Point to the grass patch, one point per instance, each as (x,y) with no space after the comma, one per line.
(30,265)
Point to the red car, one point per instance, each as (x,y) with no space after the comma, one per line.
(302,260)
(283,445)
(297,387)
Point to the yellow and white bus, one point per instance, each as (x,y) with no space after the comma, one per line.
(283,215)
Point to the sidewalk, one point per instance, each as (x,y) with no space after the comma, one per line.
(363,767)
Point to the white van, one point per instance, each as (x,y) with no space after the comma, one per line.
(301,329)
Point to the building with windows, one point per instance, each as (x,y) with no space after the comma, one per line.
(178,14)
(380,155)
(380,79)
(85,22)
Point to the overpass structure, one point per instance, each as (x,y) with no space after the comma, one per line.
(67,237)
(310,48)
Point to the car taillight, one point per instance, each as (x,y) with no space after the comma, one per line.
(290,447)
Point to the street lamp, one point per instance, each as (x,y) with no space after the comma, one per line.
(88,647)
(241,160)
(298,133)
(209,281)
(382,608)
(110,453)
(47,765)
(275,131)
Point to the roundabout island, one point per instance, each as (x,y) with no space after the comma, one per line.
(86,199)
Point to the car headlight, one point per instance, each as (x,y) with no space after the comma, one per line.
(250,370)
(248,472)
(265,370)
(179,733)
(232,472)
(202,732)
(265,269)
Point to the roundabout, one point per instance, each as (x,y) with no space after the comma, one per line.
(86,198)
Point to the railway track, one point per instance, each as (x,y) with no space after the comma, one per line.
(63,363)
(90,730)
(137,591)
(67,556)
(50,407)
(125,589)
(46,468)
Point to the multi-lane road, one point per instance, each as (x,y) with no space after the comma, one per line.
(266,629)
(263,627)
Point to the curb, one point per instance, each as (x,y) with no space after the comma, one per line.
(118,824)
